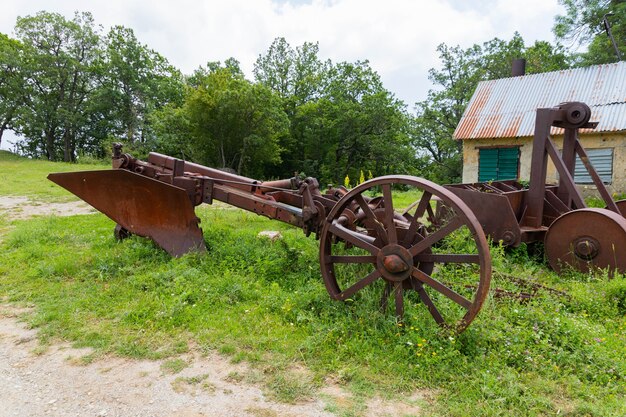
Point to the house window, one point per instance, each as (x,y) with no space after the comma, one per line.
(602,161)
(495,164)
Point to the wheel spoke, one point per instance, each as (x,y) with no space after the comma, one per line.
(353,237)
(445,258)
(399,296)
(439,287)
(391,226)
(349,292)
(428,302)
(421,207)
(431,214)
(369,214)
(435,237)
(352,259)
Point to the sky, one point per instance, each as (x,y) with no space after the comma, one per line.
(398,37)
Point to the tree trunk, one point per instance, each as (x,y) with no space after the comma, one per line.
(67,146)
(50,153)
(5,124)
(222,155)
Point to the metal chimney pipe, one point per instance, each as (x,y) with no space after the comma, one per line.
(518,67)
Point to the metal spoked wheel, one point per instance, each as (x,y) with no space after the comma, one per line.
(376,240)
(587,239)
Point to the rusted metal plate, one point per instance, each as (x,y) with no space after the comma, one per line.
(494,212)
(142,205)
(586,239)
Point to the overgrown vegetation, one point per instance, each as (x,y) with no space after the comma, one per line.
(265,304)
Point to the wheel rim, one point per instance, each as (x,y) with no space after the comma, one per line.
(587,239)
(398,244)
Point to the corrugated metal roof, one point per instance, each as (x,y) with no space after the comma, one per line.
(507,107)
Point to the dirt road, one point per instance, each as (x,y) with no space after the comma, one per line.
(54,382)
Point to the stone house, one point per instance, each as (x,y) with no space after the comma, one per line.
(498,125)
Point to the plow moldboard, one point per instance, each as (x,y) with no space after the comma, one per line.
(142,205)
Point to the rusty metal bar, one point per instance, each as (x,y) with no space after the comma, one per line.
(533,214)
(606,196)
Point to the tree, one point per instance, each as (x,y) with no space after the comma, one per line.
(583,25)
(11,83)
(342,120)
(461,69)
(60,76)
(137,81)
(363,125)
(234,123)
(298,77)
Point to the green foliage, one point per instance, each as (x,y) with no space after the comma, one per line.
(136,82)
(11,83)
(234,123)
(59,73)
(72,91)
(68,91)
(583,25)
(342,119)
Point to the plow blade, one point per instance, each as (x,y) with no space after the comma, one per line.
(141,205)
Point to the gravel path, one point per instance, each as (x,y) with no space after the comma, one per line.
(16,207)
(56,383)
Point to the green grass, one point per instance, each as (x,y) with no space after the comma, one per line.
(25,177)
(265,304)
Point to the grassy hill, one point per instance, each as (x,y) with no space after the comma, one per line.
(561,352)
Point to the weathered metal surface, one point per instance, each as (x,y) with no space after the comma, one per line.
(141,205)
(506,107)
(586,239)
(495,210)
(574,236)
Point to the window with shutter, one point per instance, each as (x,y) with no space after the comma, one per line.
(602,161)
(498,164)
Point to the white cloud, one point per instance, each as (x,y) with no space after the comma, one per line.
(399,37)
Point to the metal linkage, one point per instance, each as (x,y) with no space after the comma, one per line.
(367,239)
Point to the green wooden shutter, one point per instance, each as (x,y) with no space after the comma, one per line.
(508,160)
(487,164)
(496,164)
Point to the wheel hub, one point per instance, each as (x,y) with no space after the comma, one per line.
(394,263)
(586,248)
